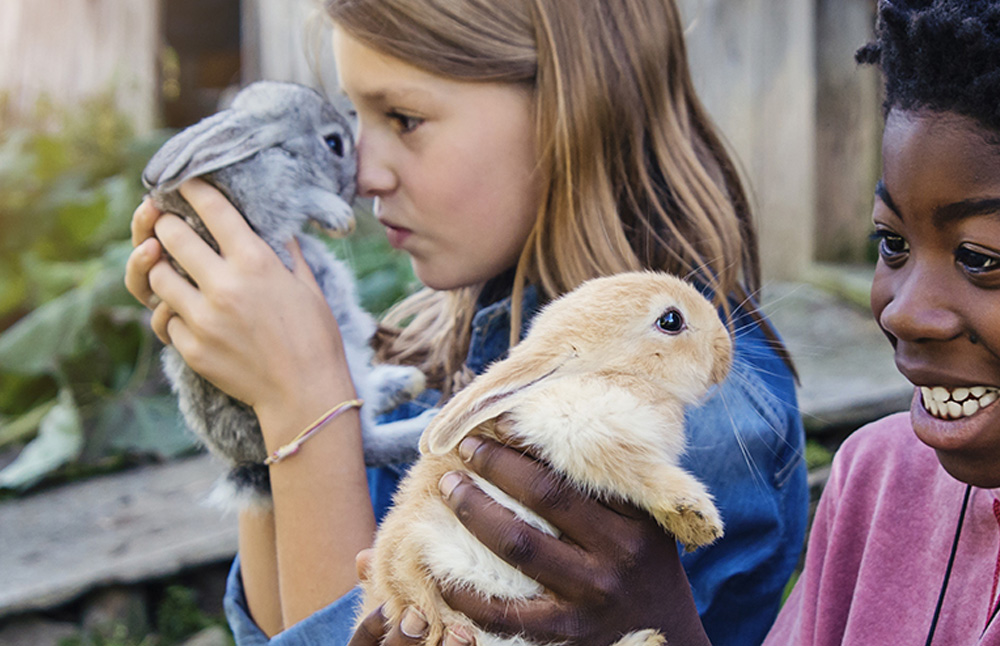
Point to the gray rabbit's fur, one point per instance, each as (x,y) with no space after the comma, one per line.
(283,155)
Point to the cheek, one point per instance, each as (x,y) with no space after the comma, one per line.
(878,297)
(881,295)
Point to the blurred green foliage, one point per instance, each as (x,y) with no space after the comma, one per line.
(79,369)
(817,455)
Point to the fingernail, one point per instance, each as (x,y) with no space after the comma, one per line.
(448,483)
(414,624)
(457,636)
(467,448)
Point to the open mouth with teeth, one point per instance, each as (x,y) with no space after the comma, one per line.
(955,403)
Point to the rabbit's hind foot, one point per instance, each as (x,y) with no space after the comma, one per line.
(245,486)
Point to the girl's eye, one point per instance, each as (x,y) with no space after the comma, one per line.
(671,322)
(891,246)
(976,262)
(404,122)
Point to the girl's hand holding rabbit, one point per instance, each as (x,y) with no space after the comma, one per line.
(246,307)
(264,335)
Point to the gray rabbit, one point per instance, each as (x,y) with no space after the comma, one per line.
(284,156)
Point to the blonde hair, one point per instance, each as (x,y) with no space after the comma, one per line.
(636,176)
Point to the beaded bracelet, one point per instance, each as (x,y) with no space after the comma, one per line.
(293,447)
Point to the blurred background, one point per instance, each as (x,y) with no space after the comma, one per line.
(89,89)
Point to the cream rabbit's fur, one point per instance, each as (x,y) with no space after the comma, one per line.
(598,390)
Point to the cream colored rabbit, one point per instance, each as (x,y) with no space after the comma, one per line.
(598,390)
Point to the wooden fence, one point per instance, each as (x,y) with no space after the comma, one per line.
(777,75)
(68,50)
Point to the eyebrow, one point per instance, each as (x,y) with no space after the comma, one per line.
(882,193)
(948,212)
(394,95)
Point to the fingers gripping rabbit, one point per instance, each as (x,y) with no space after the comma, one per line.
(284,156)
(597,389)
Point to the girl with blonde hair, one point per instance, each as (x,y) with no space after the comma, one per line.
(513,150)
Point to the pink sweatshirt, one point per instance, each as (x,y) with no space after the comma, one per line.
(879,548)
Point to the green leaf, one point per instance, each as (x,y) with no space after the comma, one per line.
(13,288)
(148,425)
(35,344)
(22,426)
(59,441)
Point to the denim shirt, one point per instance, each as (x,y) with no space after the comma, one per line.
(745,442)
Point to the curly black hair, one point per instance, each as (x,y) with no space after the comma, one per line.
(939,55)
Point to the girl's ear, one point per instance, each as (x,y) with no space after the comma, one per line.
(213,143)
(487,397)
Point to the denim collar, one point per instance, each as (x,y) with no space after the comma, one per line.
(490,338)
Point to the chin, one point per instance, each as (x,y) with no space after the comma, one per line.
(444,280)
(978,472)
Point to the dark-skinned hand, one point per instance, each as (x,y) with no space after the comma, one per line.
(613,570)
(375,631)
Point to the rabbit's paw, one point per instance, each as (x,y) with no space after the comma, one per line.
(394,385)
(693,520)
(642,638)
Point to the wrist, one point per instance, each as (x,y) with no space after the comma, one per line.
(286,415)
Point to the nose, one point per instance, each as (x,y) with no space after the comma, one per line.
(376,175)
(916,304)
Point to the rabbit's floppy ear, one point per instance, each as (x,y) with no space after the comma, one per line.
(213,143)
(489,395)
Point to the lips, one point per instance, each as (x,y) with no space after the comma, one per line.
(397,235)
(956,403)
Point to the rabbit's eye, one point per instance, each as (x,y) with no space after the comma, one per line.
(336,144)
(671,322)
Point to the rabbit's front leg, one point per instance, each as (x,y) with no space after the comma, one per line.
(391,385)
(682,505)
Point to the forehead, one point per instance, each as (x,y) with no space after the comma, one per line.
(367,73)
(930,157)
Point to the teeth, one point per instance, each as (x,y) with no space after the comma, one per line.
(959,402)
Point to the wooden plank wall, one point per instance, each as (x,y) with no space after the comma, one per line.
(752,62)
(71,49)
(288,40)
(848,132)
